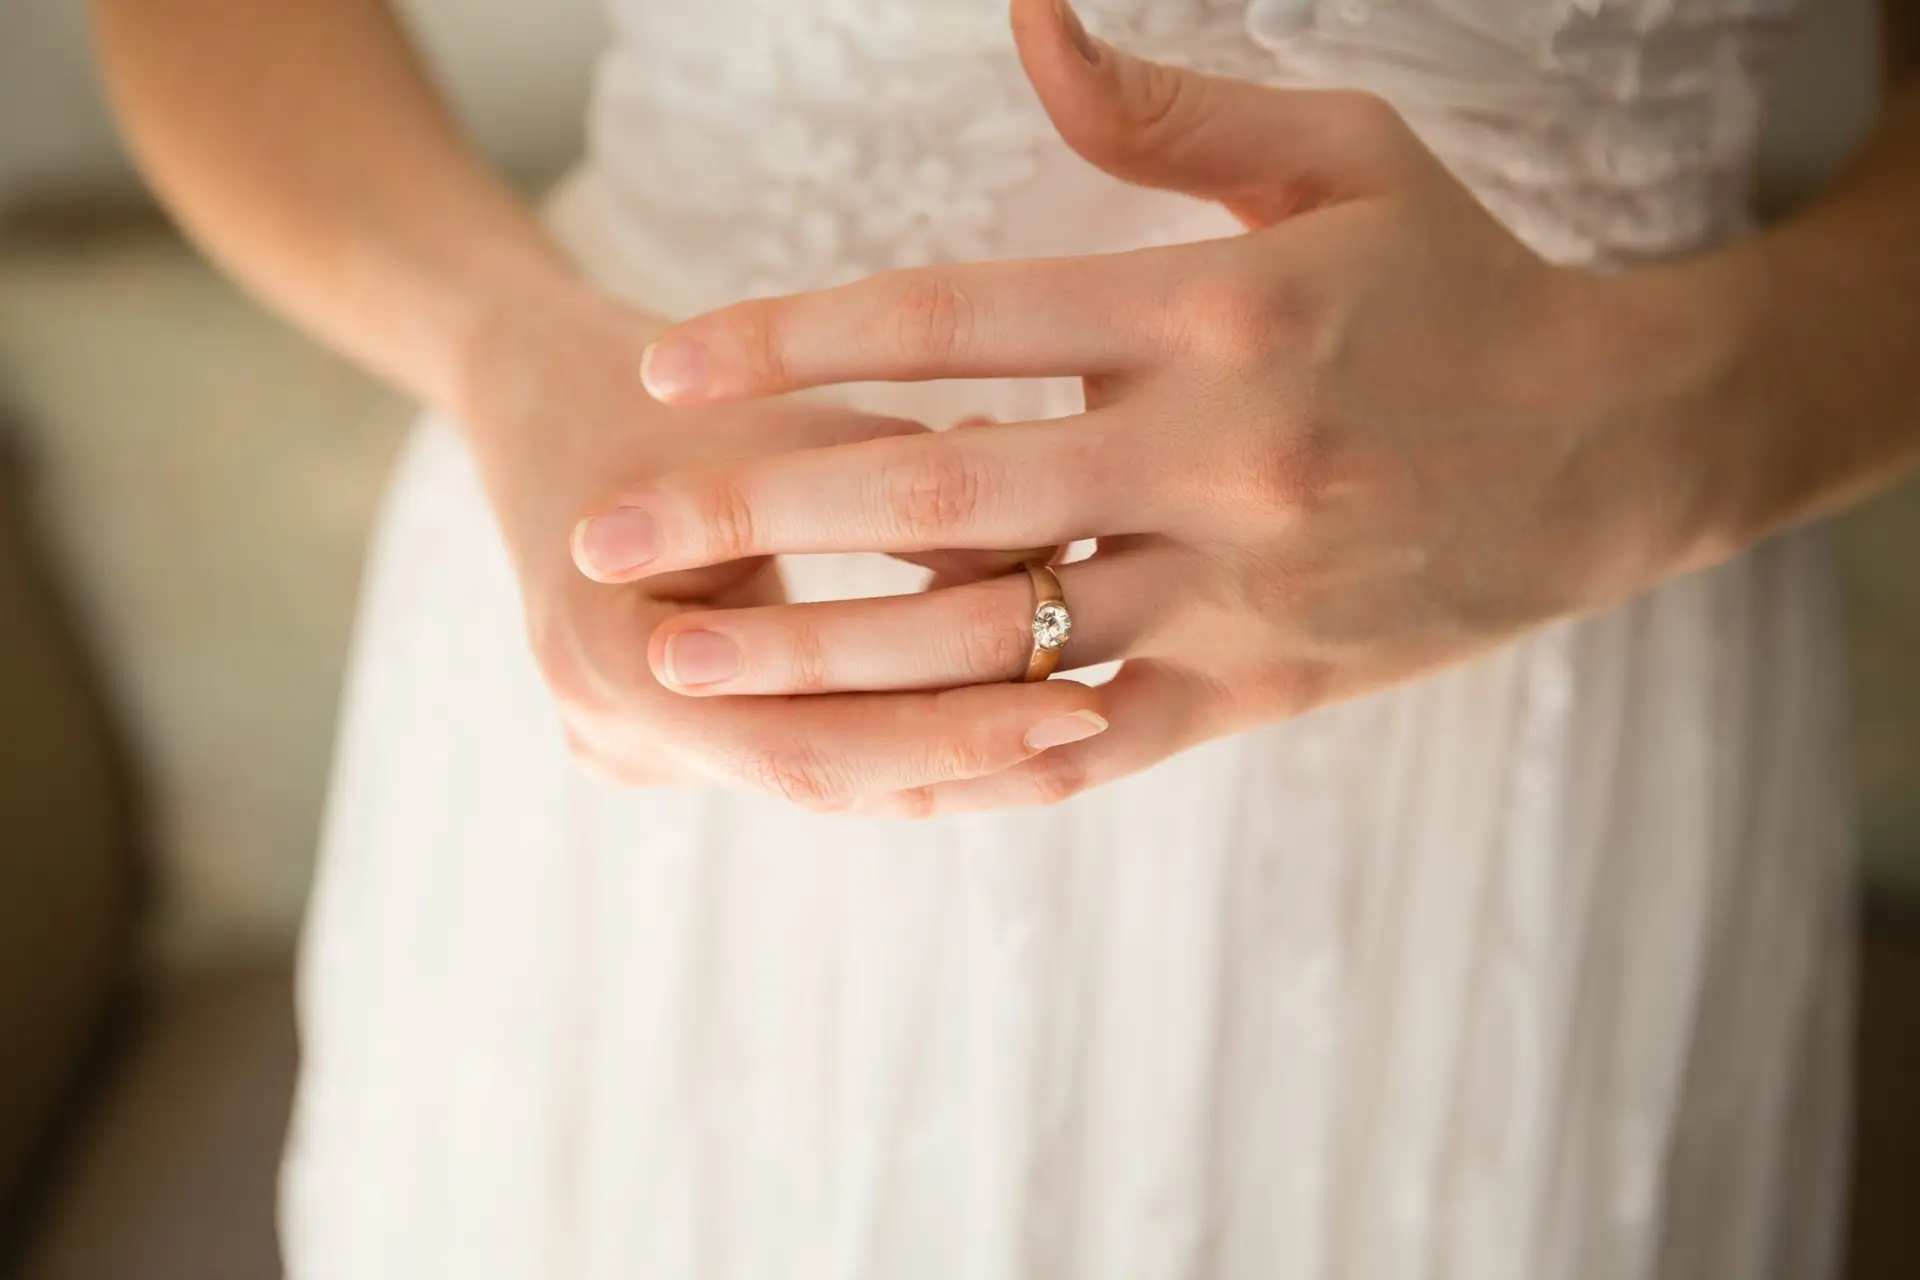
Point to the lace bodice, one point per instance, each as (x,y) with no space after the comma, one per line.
(750,146)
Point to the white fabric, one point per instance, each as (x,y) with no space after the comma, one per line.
(1532,970)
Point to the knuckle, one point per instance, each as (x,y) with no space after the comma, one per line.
(1056,776)
(726,520)
(794,775)
(932,317)
(992,644)
(1293,688)
(1235,320)
(806,660)
(757,327)
(957,758)
(1290,473)
(934,497)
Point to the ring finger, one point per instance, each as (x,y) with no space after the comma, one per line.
(974,634)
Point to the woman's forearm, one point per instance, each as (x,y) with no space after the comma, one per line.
(301,144)
(1795,355)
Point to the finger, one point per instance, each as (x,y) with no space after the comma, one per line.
(1014,485)
(1156,711)
(953,568)
(835,750)
(820,751)
(622,536)
(975,634)
(733,584)
(1265,153)
(1065,317)
(827,752)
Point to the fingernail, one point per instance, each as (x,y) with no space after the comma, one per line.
(674,368)
(1061,730)
(701,657)
(617,542)
(1077,33)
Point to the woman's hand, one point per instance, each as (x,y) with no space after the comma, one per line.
(1373,436)
(303,144)
(556,413)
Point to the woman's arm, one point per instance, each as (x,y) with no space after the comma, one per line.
(1796,353)
(300,142)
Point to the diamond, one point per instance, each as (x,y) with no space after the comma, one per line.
(1051,625)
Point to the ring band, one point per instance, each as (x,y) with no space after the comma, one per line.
(1052,624)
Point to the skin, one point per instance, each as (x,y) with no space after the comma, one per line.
(1382,436)
(1373,436)
(299,142)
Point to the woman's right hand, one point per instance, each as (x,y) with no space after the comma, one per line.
(553,407)
(304,145)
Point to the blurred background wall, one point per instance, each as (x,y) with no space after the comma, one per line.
(517,68)
(200,480)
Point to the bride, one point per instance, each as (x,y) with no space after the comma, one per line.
(1451,882)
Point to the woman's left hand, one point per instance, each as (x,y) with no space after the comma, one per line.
(1373,436)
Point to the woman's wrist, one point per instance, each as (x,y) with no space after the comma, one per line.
(527,336)
(1677,415)
(1777,375)
(546,390)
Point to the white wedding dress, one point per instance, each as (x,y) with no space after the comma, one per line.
(1531,971)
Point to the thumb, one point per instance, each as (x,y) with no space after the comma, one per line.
(1264,153)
